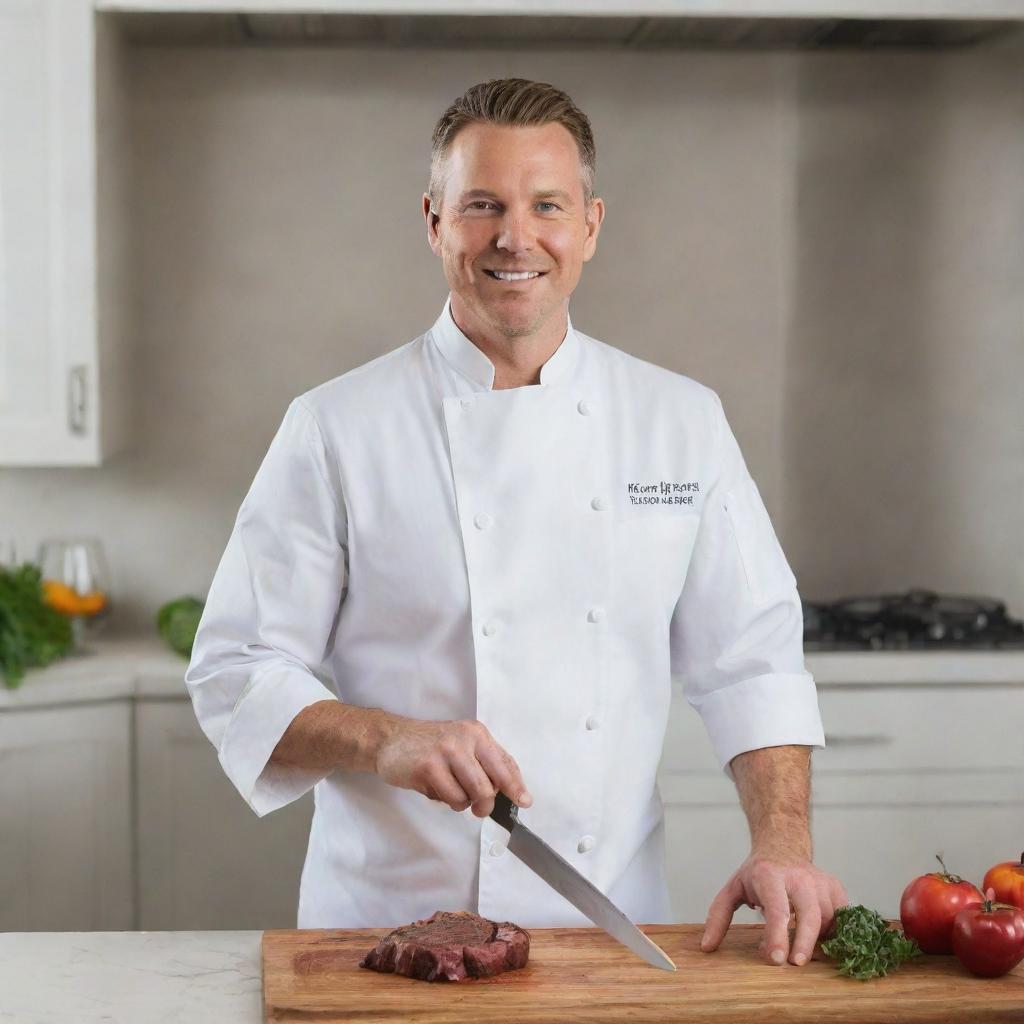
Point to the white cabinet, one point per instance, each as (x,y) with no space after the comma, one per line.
(66,821)
(908,772)
(116,815)
(206,861)
(51,369)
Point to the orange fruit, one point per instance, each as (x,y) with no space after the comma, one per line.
(67,601)
(92,603)
(60,596)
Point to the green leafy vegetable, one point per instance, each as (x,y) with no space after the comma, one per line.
(32,634)
(865,945)
(178,621)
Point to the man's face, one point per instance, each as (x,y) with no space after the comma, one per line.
(513,201)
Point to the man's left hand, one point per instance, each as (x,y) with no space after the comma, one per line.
(781,885)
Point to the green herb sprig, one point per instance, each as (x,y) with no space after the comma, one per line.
(865,945)
(32,634)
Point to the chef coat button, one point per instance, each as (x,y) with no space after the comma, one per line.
(466,403)
(595,615)
(490,628)
(583,408)
(585,844)
(592,723)
(482,521)
(497,849)
(600,504)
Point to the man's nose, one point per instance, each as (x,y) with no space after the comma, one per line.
(515,234)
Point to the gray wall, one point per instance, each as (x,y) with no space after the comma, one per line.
(904,425)
(832,242)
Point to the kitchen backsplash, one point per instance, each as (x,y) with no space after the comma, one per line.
(830,241)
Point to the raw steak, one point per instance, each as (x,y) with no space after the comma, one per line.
(450,946)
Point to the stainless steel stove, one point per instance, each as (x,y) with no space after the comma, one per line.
(915,620)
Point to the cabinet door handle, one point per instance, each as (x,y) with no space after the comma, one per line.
(76,399)
(857,741)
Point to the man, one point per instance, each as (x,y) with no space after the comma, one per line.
(475,563)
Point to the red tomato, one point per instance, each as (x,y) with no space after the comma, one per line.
(988,938)
(1007,879)
(929,905)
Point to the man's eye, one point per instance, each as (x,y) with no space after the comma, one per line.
(485,202)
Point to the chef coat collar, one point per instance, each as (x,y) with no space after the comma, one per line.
(470,361)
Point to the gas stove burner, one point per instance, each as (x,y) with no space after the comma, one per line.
(916,619)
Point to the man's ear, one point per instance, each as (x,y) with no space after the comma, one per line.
(432,218)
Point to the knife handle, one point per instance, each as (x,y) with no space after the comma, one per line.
(505,812)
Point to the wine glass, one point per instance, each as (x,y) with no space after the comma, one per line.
(76,582)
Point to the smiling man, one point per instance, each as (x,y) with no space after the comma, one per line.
(513,251)
(475,565)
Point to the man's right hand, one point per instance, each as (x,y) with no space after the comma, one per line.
(458,763)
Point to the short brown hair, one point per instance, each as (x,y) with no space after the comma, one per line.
(514,103)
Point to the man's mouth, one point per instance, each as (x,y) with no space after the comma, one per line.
(514,275)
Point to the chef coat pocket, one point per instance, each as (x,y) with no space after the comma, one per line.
(767,572)
(655,546)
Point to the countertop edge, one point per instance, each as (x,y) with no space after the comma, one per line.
(141,667)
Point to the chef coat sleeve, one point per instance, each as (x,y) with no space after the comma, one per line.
(269,619)
(736,634)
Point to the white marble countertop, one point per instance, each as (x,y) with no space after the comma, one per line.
(110,669)
(130,978)
(118,668)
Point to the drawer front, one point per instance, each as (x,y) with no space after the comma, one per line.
(875,729)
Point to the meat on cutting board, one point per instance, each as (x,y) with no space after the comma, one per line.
(450,946)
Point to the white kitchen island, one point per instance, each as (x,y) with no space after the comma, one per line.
(209,977)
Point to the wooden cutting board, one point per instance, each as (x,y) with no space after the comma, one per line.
(582,974)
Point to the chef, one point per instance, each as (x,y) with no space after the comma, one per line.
(478,562)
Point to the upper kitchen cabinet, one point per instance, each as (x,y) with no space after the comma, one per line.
(573,24)
(859,9)
(62,360)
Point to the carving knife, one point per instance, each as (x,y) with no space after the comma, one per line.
(566,880)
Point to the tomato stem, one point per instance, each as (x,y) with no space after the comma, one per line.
(946,876)
(990,906)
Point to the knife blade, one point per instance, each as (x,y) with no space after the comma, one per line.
(568,882)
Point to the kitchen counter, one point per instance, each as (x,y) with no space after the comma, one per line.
(215,977)
(110,669)
(209,977)
(117,668)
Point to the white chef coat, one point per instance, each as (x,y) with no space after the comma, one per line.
(545,559)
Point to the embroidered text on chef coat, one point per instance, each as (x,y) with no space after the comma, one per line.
(664,492)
